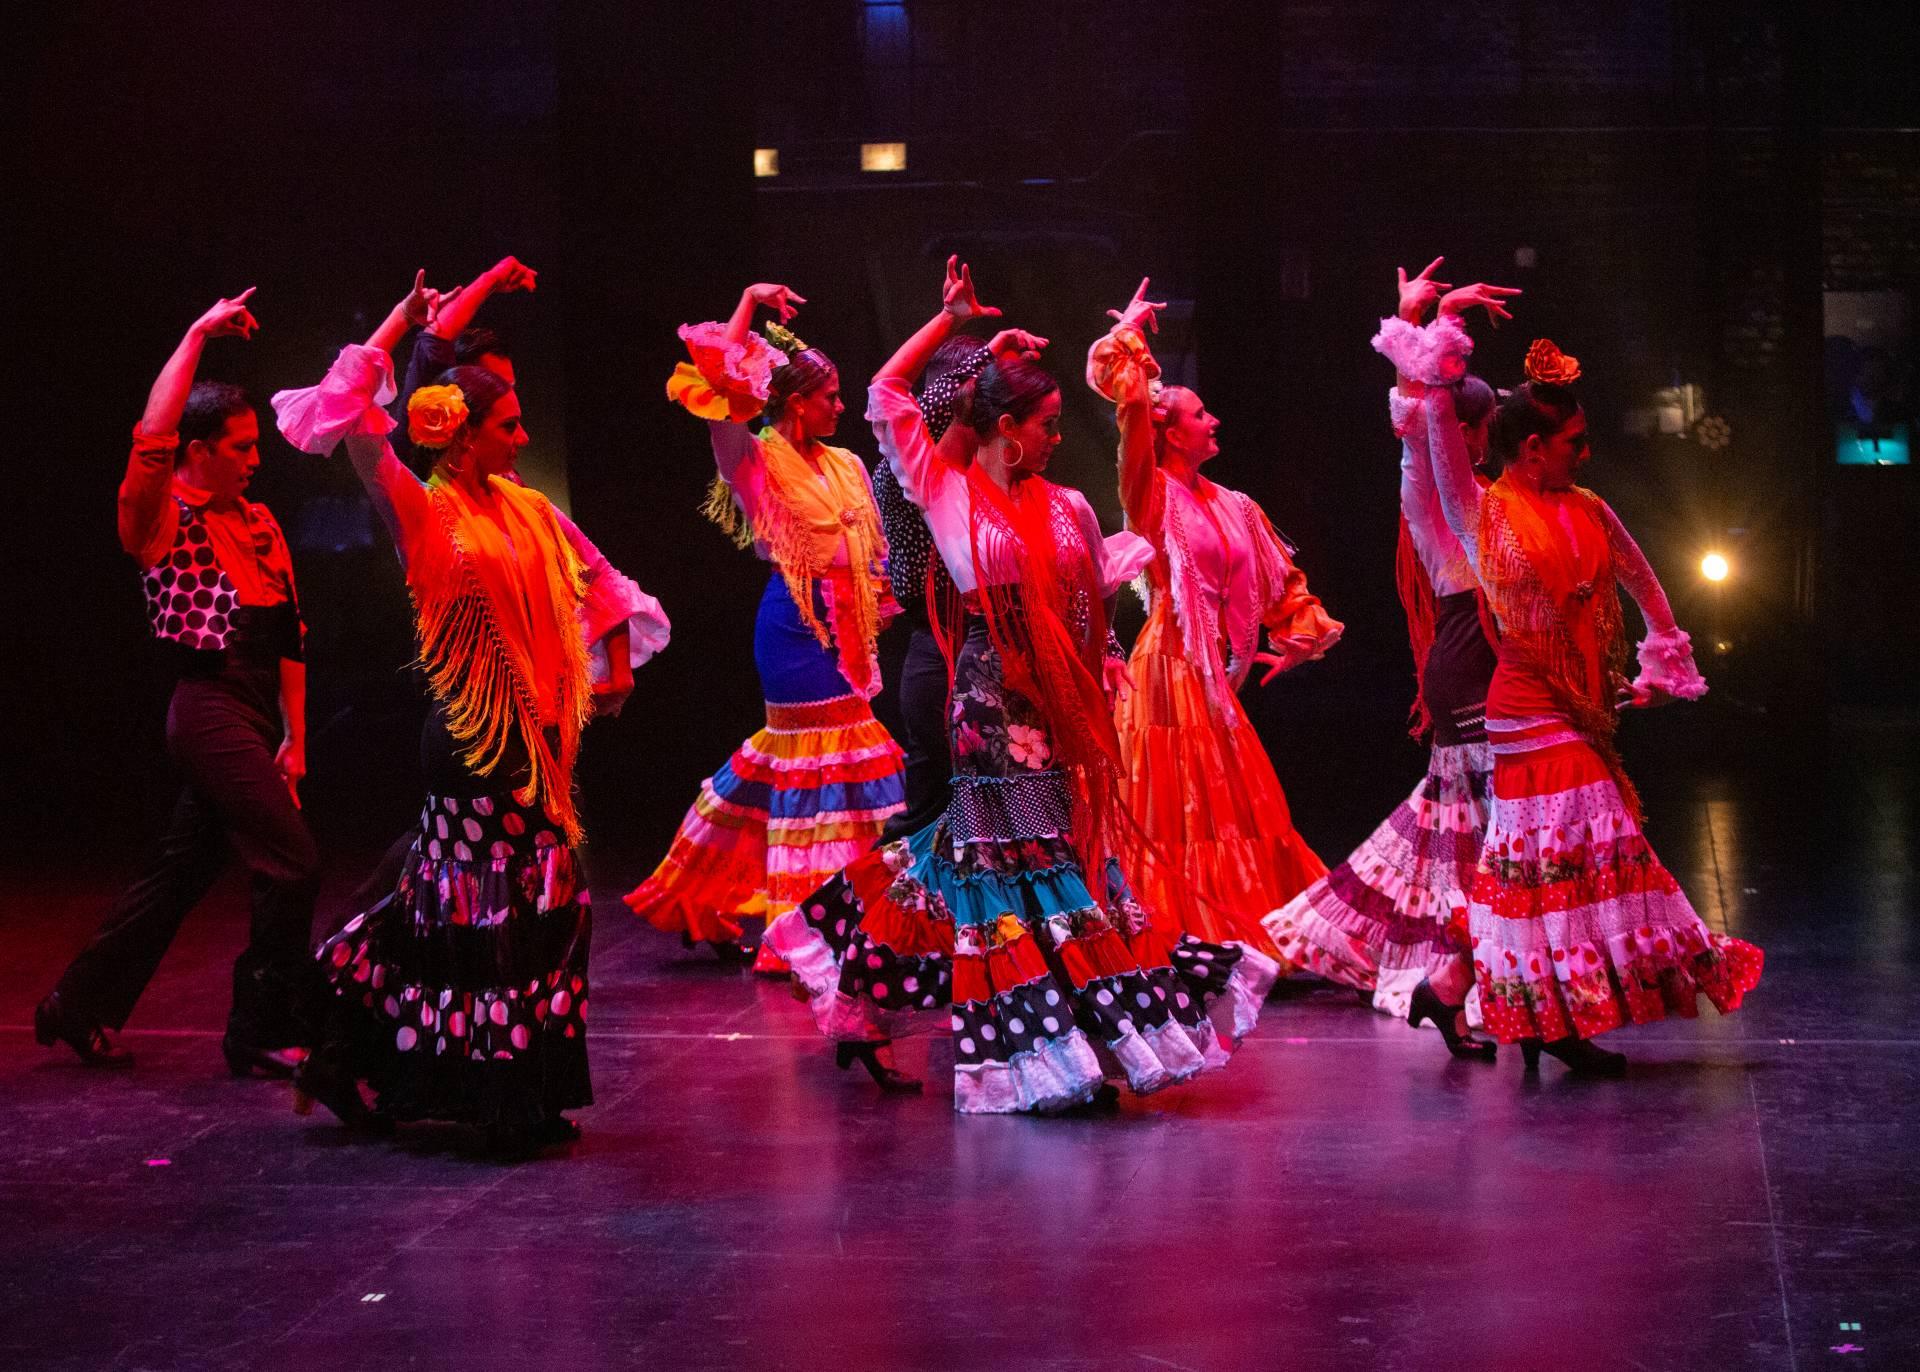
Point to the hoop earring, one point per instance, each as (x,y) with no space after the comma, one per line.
(1019,463)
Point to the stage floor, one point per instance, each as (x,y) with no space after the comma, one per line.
(1342,1196)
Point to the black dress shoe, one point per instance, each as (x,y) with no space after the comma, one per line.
(53,1023)
(889,1079)
(1581,1057)
(277,1063)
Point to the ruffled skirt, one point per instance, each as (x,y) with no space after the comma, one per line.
(463,995)
(1205,793)
(1394,913)
(987,921)
(1576,927)
(794,804)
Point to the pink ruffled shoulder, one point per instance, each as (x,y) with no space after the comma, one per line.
(725,380)
(351,399)
(1120,366)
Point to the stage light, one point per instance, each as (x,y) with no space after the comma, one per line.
(1715,567)
(883,157)
(766,161)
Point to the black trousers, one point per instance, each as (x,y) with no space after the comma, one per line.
(923,711)
(222,732)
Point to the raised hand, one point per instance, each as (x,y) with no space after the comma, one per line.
(1016,343)
(782,300)
(422,302)
(511,274)
(1492,299)
(1632,695)
(958,298)
(1420,292)
(229,318)
(1141,313)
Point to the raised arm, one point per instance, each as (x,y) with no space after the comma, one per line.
(1452,466)
(896,420)
(1121,367)
(414,309)
(456,310)
(145,516)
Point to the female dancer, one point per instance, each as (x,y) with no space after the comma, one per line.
(463,995)
(1391,920)
(1576,927)
(922,587)
(1010,915)
(811,791)
(1221,847)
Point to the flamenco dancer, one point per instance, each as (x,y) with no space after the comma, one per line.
(921,586)
(812,790)
(1221,848)
(220,597)
(463,995)
(1010,916)
(1391,920)
(1576,927)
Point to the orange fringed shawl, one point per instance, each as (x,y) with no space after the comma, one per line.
(1557,603)
(496,605)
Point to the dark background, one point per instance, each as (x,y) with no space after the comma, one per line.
(1684,179)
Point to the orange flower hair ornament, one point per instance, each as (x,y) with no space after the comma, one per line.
(1546,365)
(435,414)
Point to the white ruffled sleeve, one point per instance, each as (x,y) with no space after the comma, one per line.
(1435,354)
(1666,664)
(350,399)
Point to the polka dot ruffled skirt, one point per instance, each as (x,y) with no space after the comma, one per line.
(463,995)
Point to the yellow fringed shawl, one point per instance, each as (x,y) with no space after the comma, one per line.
(496,605)
(801,519)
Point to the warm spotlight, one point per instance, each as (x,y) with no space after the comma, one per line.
(766,161)
(883,157)
(1715,567)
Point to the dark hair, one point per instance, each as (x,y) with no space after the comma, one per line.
(478,342)
(805,372)
(210,404)
(1529,409)
(481,388)
(1011,387)
(949,356)
(1472,399)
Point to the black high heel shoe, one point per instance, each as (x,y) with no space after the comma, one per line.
(320,1078)
(53,1023)
(1581,1057)
(1427,1005)
(277,1063)
(730,952)
(890,1079)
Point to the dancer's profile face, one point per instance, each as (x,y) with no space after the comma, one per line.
(817,413)
(1031,441)
(1562,453)
(494,444)
(1191,430)
(224,466)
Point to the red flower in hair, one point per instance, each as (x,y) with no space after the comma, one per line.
(1546,365)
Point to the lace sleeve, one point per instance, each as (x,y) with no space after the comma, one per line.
(1452,467)
(1666,653)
